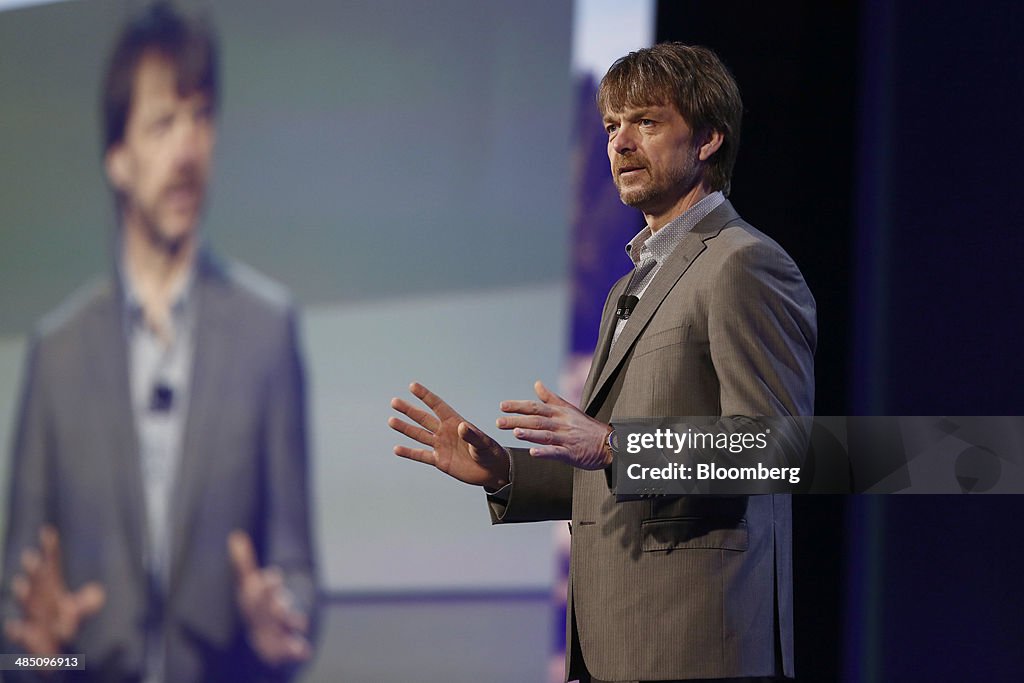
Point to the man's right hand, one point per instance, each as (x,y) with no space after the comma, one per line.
(454,446)
(51,614)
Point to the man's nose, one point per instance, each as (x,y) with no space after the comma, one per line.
(624,140)
(192,140)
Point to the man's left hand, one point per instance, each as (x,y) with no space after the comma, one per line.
(562,430)
(277,631)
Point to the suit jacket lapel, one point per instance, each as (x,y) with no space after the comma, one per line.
(685,253)
(209,356)
(109,348)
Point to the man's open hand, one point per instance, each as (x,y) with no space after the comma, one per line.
(51,614)
(277,631)
(563,431)
(454,446)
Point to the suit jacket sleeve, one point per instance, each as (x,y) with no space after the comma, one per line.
(28,498)
(289,542)
(762,331)
(541,490)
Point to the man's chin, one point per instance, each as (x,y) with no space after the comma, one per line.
(636,198)
(173,236)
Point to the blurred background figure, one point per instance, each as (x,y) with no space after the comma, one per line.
(158,516)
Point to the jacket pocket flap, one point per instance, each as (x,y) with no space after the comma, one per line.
(694,532)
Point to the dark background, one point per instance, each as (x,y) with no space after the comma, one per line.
(880,148)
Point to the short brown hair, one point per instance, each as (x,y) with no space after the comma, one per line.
(189,44)
(693,79)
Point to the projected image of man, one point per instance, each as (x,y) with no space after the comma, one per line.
(159,511)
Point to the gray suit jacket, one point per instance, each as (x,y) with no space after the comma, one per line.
(76,465)
(692,586)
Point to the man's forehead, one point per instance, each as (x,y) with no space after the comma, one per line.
(154,67)
(161,70)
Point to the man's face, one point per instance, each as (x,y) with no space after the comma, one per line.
(162,165)
(653,156)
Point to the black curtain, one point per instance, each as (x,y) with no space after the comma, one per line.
(880,148)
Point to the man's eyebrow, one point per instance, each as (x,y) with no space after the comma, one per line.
(642,112)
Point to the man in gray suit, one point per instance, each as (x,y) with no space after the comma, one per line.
(715,320)
(158,522)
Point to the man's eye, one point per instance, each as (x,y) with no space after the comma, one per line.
(611,128)
(646,122)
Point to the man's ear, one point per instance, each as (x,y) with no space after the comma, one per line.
(117,166)
(713,140)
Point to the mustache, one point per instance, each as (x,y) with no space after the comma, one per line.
(629,164)
(189,181)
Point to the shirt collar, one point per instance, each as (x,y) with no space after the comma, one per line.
(658,245)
